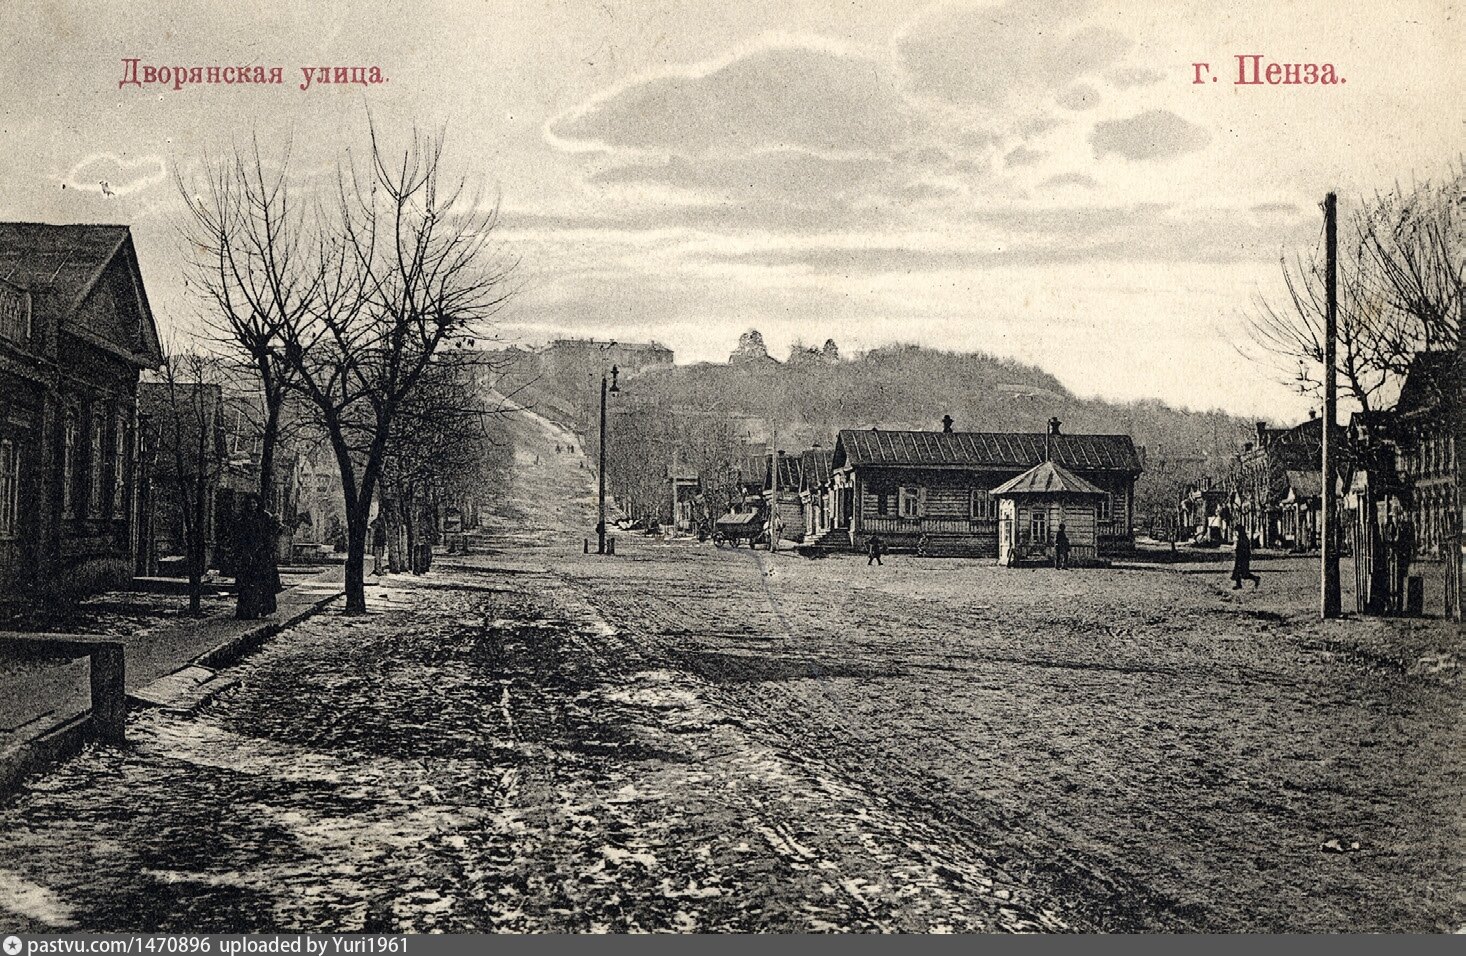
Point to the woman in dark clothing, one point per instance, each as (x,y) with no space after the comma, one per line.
(1242,562)
(256,577)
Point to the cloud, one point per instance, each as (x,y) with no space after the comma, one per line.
(1023,156)
(981,55)
(1154,134)
(779,94)
(1080,96)
(1125,77)
(121,177)
(1070,179)
(790,175)
(1027,236)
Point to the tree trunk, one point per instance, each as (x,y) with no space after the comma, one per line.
(196,546)
(409,529)
(392,515)
(269,436)
(357,529)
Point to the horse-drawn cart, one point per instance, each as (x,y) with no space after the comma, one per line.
(744,526)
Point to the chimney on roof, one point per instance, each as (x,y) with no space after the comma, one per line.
(947,424)
(1312,414)
(1049,438)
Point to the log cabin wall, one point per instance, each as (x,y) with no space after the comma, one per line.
(946,523)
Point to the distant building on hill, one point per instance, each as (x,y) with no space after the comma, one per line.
(574,355)
(751,350)
(799,354)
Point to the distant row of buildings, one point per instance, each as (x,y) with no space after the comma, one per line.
(1398,482)
(979,494)
(1404,459)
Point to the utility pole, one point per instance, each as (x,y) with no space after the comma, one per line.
(601,472)
(1329,583)
(674,486)
(774,502)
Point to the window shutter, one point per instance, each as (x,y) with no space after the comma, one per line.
(921,502)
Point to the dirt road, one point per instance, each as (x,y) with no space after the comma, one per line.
(1141,747)
(686,738)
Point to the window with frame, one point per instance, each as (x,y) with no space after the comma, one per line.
(883,501)
(68,465)
(95,459)
(983,505)
(1038,526)
(119,465)
(9,488)
(909,501)
(1105,510)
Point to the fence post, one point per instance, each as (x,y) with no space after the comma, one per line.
(109,693)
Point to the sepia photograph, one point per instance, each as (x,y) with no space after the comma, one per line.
(729,467)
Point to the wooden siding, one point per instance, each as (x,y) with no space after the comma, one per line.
(945,524)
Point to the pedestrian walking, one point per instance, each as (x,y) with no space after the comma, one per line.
(874,548)
(1242,562)
(1401,541)
(256,578)
(1061,549)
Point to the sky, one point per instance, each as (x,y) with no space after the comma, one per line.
(1038,180)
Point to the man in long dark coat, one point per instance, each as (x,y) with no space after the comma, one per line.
(256,577)
(1242,561)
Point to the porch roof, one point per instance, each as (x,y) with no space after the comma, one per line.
(1046,478)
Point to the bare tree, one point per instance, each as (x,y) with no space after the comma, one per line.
(183,410)
(439,440)
(405,261)
(249,257)
(1402,290)
(1414,243)
(1290,332)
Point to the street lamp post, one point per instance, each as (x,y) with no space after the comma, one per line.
(601,472)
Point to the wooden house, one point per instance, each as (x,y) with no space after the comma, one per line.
(782,478)
(689,507)
(1278,485)
(814,487)
(1205,513)
(1035,505)
(1426,429)
(932,491)
(76,331)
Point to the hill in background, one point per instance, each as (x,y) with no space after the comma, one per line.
(710,412)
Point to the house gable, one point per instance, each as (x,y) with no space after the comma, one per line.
(84,281)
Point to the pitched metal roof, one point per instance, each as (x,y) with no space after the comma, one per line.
(1432,377)
(789,472)
(1046,478)
(984,450)
(814,465)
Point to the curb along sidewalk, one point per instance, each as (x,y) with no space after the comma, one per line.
(48,703)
